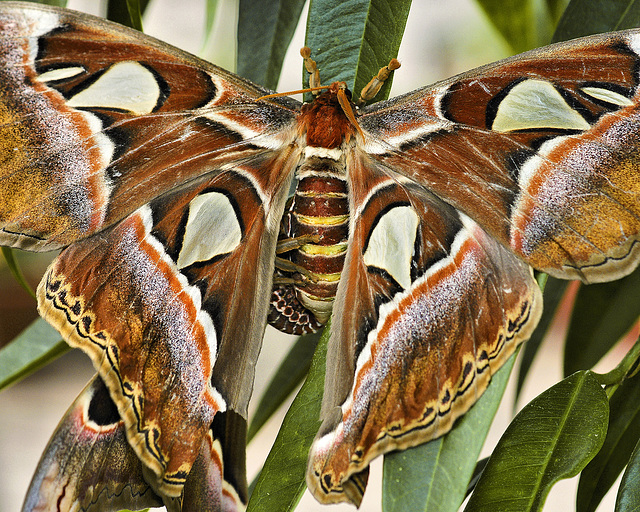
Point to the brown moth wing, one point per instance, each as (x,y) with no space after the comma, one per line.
(217,481)
(88,464)
(435,307)
(536,155)
(154,302)
(179,171)
(540,149)
(96,120)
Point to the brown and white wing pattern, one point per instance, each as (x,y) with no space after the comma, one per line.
(164,182)
(429,307)
(89,464)
(153,303)
(540,149)
(532,161)
(97,120)
(217,481)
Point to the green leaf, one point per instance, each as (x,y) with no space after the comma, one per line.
(133,6)
(477,473)
(286,379)
(628,499)
(261,51)
(524,24)
(210,18)
(281,482)
(352,40)
(13,266)
(622,436)
(586,17)
(435,475)
(553,293)
(127,12)
(602,314)
(36,346)
(556,8)
(552,438)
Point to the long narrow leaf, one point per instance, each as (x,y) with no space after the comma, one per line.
(622,436)
(628,499)
(524,24)
(602,313)
(556,8)
(120,11)
(282,480)
(285,380)
(552,438)
(434,477)
(261,50)
(15,270)
(135,14)
(36,346)
(350,41)
(586,17)
(211,10)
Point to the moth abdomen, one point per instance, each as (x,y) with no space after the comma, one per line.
(313,243)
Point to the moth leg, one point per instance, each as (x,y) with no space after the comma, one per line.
(291,244)
(286,245)
(370,90)
(312,69)
(293,268)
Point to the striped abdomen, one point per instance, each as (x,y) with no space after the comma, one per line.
(312,247)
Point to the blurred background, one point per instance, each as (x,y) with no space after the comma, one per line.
(442,39)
